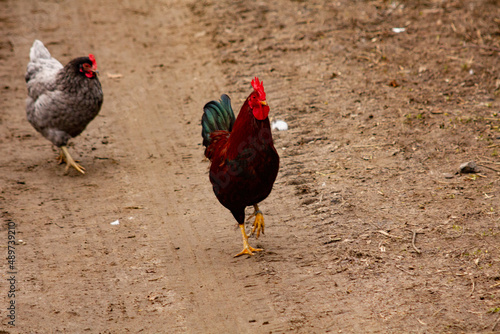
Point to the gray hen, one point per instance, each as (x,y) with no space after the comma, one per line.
(62,100)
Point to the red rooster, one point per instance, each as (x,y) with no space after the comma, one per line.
(244,162)
(62,100)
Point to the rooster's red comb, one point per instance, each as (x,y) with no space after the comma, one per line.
(259,88)
(92,59)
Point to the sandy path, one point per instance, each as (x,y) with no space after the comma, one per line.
(376,132)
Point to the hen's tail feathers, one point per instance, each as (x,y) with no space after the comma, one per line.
(41,62)
(39,51)
(217,116)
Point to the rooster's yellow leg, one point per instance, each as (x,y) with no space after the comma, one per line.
(69,160)
(247,249)
(258,224)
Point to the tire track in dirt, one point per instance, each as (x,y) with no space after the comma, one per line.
(172,264)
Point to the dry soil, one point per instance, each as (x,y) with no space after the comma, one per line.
(369,228)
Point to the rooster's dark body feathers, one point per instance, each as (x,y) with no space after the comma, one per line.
(244,162)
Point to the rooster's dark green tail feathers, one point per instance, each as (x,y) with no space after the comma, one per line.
(217,116)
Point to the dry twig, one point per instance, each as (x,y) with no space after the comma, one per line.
(496,323)
(373,145)
(435,313)
(493,169)
(413,241)
(473,286)
(494,285)
(405,271)
(388,235)
(423,323)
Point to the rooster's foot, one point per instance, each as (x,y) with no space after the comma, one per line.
(258,224)
(247,249)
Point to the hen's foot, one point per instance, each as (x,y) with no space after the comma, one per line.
(258,224)
(247,249)
(60,158)
(65,156)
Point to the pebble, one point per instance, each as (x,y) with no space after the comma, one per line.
(468,167)
(279,125)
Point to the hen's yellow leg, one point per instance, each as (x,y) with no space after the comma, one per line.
(69,160)
(247,249)
(60,158)
(258,224)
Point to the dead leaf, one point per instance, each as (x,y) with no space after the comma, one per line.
(114,76)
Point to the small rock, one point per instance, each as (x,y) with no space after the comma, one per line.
(279,125)
(398,30)
(448,176)
(468,167)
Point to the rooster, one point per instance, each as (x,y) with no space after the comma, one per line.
(62,100)
(244,162)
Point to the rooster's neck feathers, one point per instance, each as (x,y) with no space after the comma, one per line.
(248,132)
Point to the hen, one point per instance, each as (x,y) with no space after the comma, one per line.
(244,162)
(61,100)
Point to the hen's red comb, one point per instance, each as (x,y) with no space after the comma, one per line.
(259,88)
(92,59)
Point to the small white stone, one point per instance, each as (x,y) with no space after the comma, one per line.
(279,125)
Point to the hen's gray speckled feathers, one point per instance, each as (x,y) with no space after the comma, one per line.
(61,100)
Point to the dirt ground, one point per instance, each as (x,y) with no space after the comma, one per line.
(369,228)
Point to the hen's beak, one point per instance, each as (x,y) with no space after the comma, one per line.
(264,103)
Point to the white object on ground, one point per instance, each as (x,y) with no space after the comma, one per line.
(279,125)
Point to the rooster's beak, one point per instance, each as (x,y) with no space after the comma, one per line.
(264,103)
